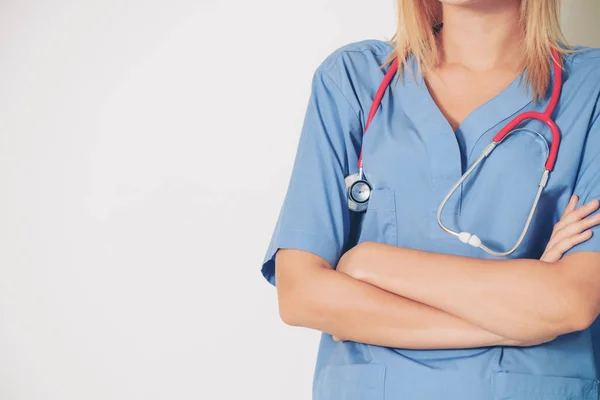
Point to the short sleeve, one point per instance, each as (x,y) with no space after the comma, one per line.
(587,186)
(314,216)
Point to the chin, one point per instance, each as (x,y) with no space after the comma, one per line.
(466,2)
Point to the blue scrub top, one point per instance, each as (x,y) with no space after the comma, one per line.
(412,157)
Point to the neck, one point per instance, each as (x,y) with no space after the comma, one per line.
(483,36)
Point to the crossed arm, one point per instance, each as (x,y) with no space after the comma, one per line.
(397,297)
(311,294)
(521,299)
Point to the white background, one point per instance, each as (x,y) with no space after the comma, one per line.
(145,148)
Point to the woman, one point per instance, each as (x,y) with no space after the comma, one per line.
(407,311)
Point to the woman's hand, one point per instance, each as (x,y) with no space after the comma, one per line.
(572,229)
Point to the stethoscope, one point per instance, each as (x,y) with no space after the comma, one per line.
(359,189)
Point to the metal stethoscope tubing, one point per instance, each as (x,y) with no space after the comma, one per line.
(359,189)
(474,240)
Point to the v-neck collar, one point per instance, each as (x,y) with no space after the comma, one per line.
(450,151)
(420,107)
(419,103)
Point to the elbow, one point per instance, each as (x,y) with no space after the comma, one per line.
(581,306)
(582,321)
(581,316)
(572,305)
(573,313)
(293,309)
(290,313)
(298,296)
(579,294)
(578,314)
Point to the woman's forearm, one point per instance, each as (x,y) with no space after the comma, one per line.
(522,299)
(327,300)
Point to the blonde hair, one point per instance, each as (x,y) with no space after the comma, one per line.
(415,35)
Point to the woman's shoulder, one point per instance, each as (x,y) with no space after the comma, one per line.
(582,86)
(584,63)
(356,62)
(356,69)
(583,54)
(359,53)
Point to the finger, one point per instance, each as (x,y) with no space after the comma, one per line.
(563,246)
(555,252)
(575,228)
(578,214)
(570,206)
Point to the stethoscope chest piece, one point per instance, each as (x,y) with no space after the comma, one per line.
(359,189)
(359,192)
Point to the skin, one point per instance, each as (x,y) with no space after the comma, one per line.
(571,229)
(473,70)
(383,295)
(312,294)
(521,299)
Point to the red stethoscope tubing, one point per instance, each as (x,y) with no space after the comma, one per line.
(545,117)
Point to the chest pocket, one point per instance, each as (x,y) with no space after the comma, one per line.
(379,223)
